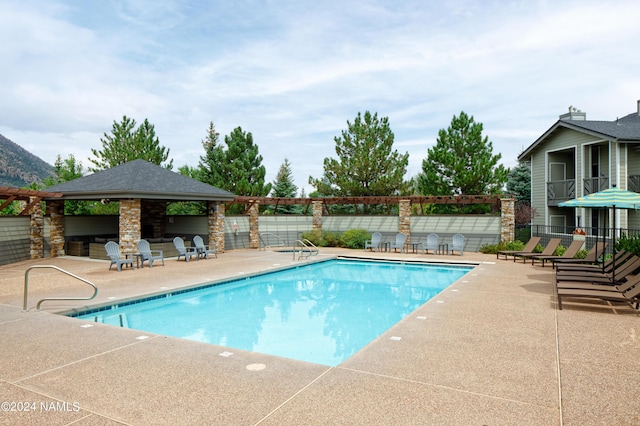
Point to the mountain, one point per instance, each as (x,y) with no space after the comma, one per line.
(19,167)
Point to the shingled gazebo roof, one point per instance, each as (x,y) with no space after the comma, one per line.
(139,179)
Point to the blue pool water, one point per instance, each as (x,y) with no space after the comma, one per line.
(322,312)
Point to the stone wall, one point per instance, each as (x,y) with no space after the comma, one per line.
(130,225)
(153,218)
(56,215)
(254,231)
(508,221)
(317,215)
(404,224)
(36,246)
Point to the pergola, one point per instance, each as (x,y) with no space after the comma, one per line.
(30,196)
(457,200)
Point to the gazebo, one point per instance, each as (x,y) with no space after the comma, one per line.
(143,190)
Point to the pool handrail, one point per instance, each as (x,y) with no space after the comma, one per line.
(307,247)
(264,245)
(26,287)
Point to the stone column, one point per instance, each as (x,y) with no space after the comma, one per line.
(130,225)
(153,217)
(404,222)
(56,232)
(317,215)
(215,221)
(254,232)
(508,220)
(36,239)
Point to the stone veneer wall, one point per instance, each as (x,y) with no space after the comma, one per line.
(153,214)
(404,224)
(56,215)
(508,222)
(254,231)
(36,245)
(215,223)
(130,224)
(317,215)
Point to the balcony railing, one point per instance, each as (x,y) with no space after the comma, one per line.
(595,184)
(560,190)
(633,183)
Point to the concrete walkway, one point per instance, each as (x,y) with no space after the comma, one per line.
(492,349)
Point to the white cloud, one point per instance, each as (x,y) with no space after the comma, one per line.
(293,73)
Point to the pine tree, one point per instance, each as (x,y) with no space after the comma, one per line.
(238,169)
(283,186)
(126,143)
(367,164)
(462,162)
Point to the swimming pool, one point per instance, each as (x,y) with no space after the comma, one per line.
(322,312)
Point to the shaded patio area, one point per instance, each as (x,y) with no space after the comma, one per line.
(490,349)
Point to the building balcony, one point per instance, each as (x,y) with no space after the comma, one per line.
(560,190)
(633,183)
(595,184)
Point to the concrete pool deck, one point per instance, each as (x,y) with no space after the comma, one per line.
(491,349)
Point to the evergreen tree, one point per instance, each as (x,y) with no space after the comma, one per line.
(65,171)
(519,183)
(214,156)
(462,162)
(283,186)
(126,143)
(238,169)
(367,164)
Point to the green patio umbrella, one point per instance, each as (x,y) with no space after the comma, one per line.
(613,198)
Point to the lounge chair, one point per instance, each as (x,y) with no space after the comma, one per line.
(631,296)
(631,281)
(621,273)
(591,258)
(431,244)
(187,252)
(620,257)
(202,249)
(569,253)
(528,248)
(551,247)
(399,242)
(149,255)
(374,242)
(113,251)
(458,244)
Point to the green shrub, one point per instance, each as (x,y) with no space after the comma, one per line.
(332,239)
(354,238)
(560,250)
(314,236)
(581,254)
(495,248)
(629,243)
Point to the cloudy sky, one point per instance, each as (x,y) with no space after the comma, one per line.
(293,72)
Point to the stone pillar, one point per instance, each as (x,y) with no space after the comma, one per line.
(254,232)
(36,239)
(508,220)
(130,225)
(404,222)
(215,221)
(317,215)
(56,232)
(153,218)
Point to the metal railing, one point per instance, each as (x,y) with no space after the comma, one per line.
(559,191)
(26,287)
(305,247)
(595,184)
(267,237)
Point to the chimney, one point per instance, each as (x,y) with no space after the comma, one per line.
(639,107)
(576,114)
